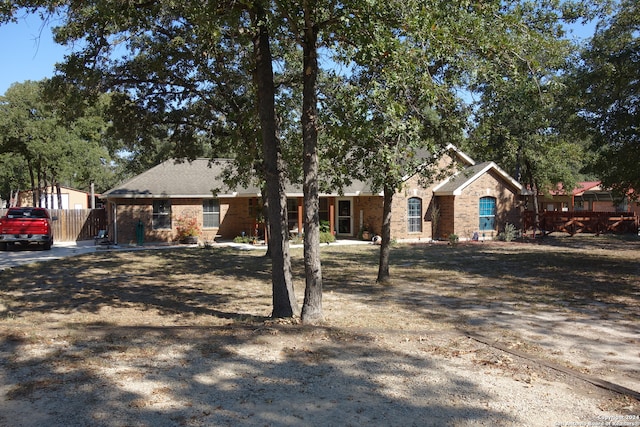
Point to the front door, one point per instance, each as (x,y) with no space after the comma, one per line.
(345,217)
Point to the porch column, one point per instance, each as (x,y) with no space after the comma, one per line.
(332,214)
(300,208)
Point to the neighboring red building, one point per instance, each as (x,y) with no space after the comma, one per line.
(586,196)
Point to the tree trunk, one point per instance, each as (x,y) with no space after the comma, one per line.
(312,306)
(267,228)
(284,301)
(59,194)
(42,189)
(32,178)
(536,209)
(385,247)
(13,199)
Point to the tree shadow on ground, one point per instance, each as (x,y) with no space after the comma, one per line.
(111,375)
(580,279)
(171,281)
(247,373)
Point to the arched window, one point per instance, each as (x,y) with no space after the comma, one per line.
(414,216)
(487,213)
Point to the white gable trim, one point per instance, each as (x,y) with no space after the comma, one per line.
(448,148)
(463,155)
(464,184)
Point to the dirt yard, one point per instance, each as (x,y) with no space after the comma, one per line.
(495,334)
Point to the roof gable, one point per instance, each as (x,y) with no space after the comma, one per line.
(455,184)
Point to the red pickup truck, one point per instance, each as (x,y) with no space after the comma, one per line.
(26,225)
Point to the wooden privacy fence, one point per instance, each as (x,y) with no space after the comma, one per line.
(583,222)
(76,224)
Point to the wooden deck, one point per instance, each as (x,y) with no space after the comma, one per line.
(583,222)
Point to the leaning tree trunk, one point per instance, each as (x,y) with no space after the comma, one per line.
(385,247)
(284,302)
(312,307)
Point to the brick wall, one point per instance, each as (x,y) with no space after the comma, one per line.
(466,218)
(400,212)
(370,209)
(447,220)
(234,216)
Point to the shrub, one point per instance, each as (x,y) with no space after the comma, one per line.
(325,226)
(453,239)
(296,239)
(242,239)
(327,237)
(187,226)
(509,233)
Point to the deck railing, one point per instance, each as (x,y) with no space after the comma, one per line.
(582,222)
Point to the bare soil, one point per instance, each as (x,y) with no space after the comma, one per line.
(179,337)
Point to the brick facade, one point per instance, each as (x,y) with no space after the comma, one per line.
(235,218)
(442,212)
(466,207)
(400,211)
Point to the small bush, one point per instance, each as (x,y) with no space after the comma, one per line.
(242,239)
(509,233)
(327,237)
(453,239)
(297,239)
(325,226)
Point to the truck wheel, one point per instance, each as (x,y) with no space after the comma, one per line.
(3,246)
(47,246)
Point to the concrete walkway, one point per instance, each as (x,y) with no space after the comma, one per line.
(29,254)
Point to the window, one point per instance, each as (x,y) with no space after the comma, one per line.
(414,216)
(292,215)
(345,219)
(487,213)
(161,214)
(210,213)
(323,209)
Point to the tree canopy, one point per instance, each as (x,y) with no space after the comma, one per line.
(608,85)
(246,80)
(43,147)
(525,118)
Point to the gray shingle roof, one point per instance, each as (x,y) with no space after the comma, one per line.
(199,178)
(456,183)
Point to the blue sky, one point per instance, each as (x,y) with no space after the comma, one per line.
(31,54)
